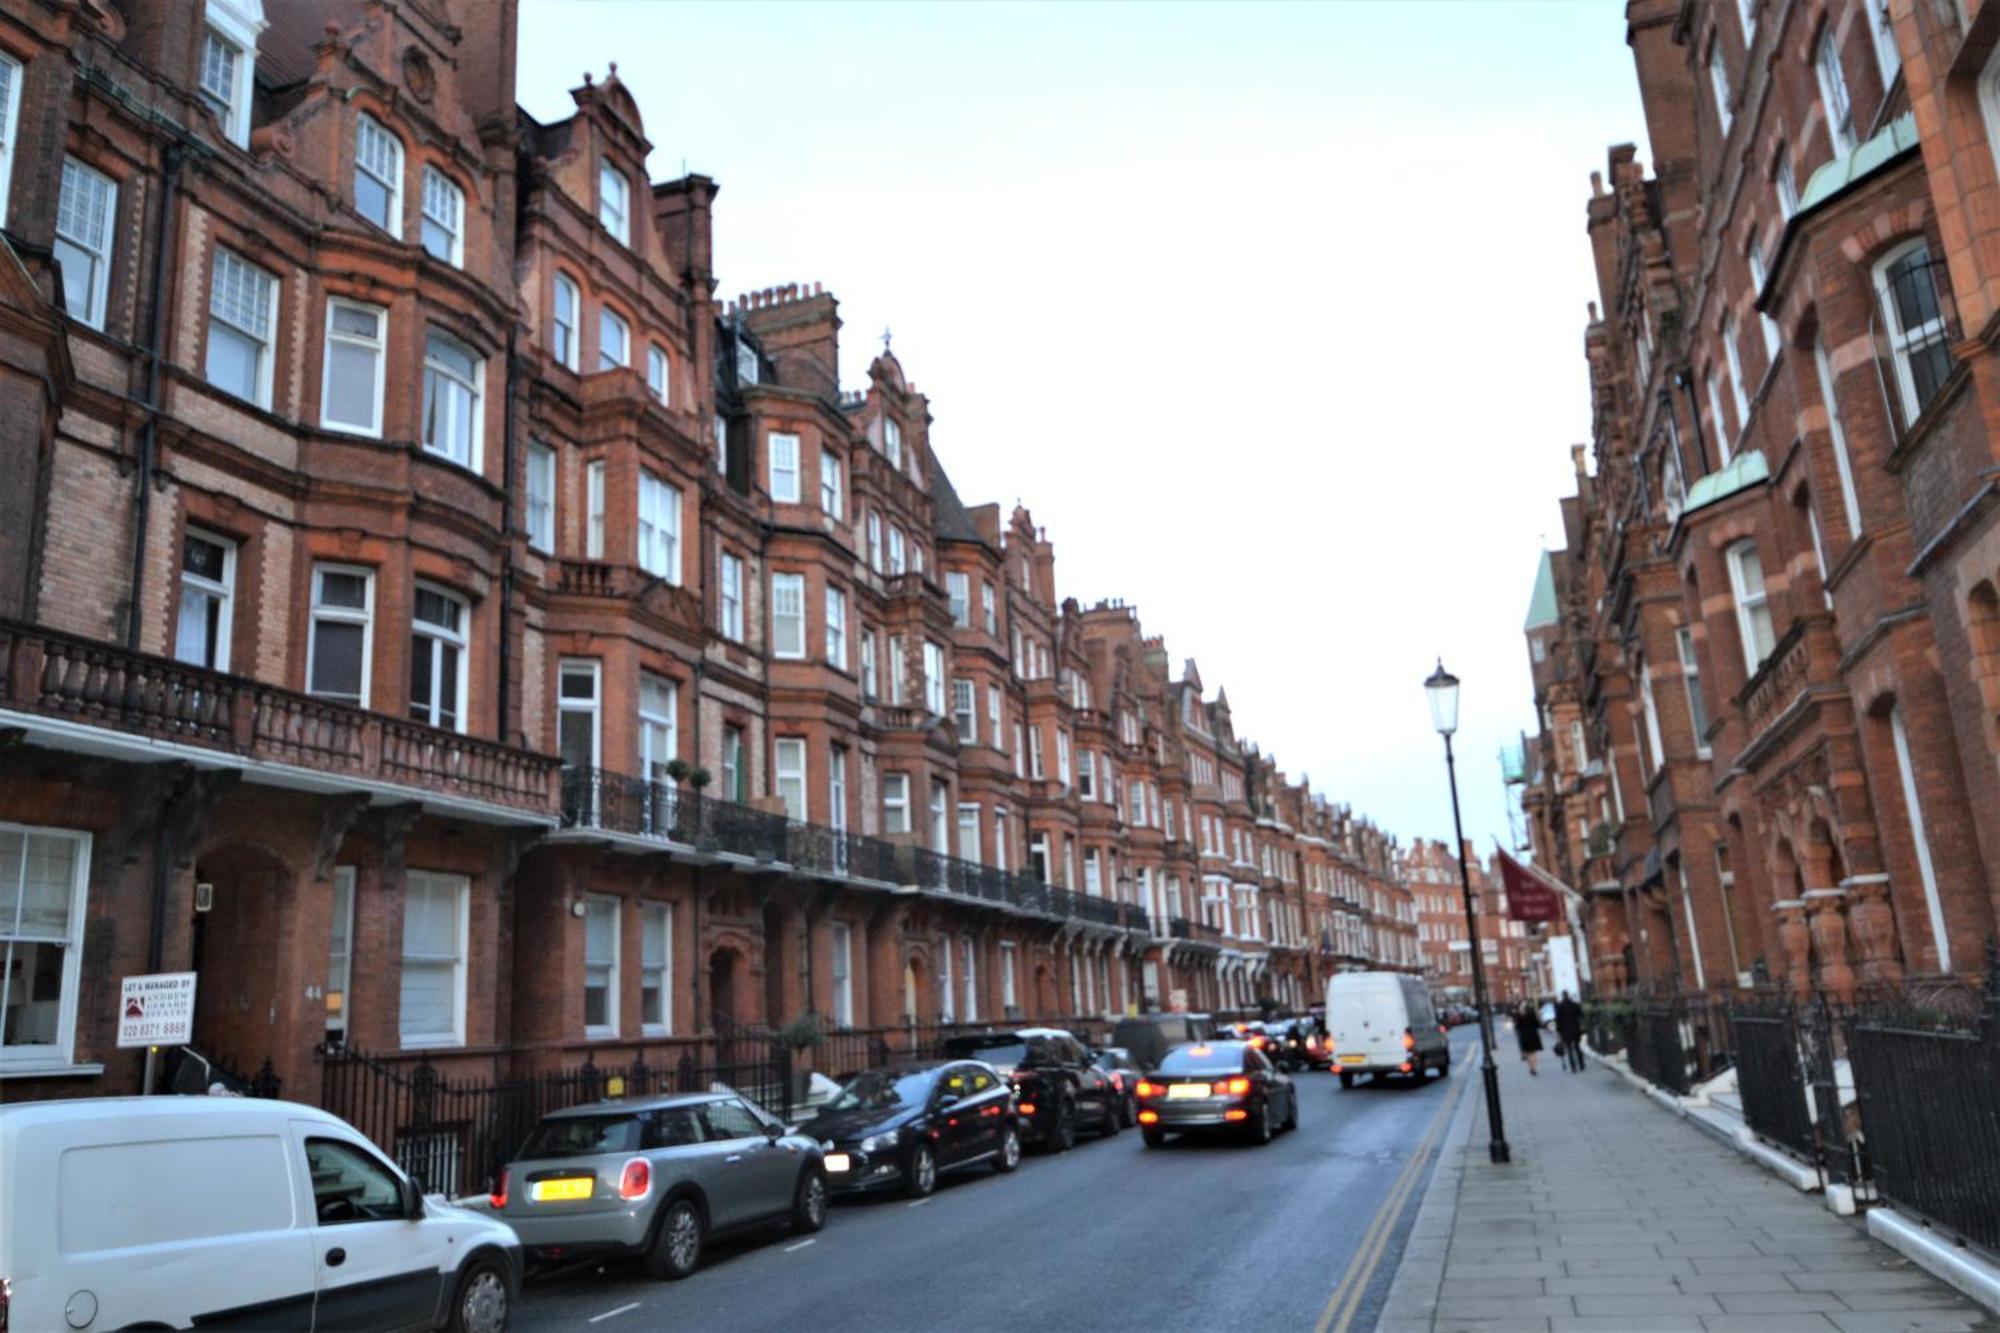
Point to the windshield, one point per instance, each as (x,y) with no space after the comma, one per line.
(1218,1058)
(1002,1051)
(583,1136)
(884,1090)
(1113,1058)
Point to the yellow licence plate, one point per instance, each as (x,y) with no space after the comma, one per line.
(574,1187)
(836,1162)
(1352,1059)
(1180,1092)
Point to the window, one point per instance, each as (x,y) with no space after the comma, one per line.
(378,175)
(1020,753)
(1837,436)
(947,992)
(1673,494)
(785,469)
(836,628)
(1833,93)
(999,839)
(896,562)
(958,590)
(1769,325)
(898,670)
(1007,954)
(1920,841)
(1038,857)
(1691,678)
(993,714)
(1787,186)
(895,803)
(659,728)
(1736,388)
(1746,10)
(892,442)
(735,777)
(732,598)
(341,636)
(1718,79)
(578,729)
(789,775)
(934,679)
(657,371)
(350,1184)
(85,210)
(1062,757)
(224,89)
(1035,751)
(746,362)
(593,508)
(444,218)
(541,497)
(968,833)
(656,969)
(1883,36)
(969,978)
(10,115)
(836,793)
(986,607)
(437,658)
(1721,422)
(1753,611)
(339,953)
(1918,342)
(614,197)
(869,688)
(829,484)
(875,541)
(208,589)
(242,305)
(1086,774)
(431,1008)
(44,878)
(965,711)
(660,528)
(453,377)
(843,974)
(940,818)
(600,967)
(1819,553)
(563,324)
(788,615)
(351,387)
(614,339)
(1655,751)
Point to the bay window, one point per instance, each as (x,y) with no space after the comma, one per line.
(784,460)
(351,386)
(454,377)
(614,340)
(789,775)
(1753,610)
(660,528)
(836,629)
(788,615)
(444,218)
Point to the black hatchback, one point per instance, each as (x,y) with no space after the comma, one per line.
(900,1127)
(1211,1086)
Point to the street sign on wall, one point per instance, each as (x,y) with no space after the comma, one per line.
(156,1010)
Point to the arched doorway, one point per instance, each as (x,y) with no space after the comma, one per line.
(725,974)
(233,952)
(915,982)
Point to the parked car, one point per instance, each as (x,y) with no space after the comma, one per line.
(1150,1036)
(1210,1086)
(1124,1072)
(179,1211)
(658,1177)
(1058,1089)
(904,1126)
(1382,1023)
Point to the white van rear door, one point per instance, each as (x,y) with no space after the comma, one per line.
(185,1231)
(376,1267)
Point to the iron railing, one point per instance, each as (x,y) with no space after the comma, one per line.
(1677,1042)
(1771,1075)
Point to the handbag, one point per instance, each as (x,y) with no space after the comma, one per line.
(1561,1049)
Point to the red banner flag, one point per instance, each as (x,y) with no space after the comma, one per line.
(1530,897)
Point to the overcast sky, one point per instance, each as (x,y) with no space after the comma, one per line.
(1272,315)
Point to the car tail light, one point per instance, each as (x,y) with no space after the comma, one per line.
(1404,1067)
(1149,1117)
(1146,1089)
(1118,1082)
(1027,1108)
(636,1180)
(1409,1040)
(1442,1032)
(498,1198)
(1235,1115)
(1236,1087)
(1312,1043)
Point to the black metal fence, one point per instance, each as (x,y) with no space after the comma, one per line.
(1771,1075)
(1676,1042)
(453,1134)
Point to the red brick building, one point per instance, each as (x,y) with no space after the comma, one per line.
(434,616)
(1772,619)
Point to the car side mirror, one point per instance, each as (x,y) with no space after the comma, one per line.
(774,1132)
(947,1099)
(413,1200)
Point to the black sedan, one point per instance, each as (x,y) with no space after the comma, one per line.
(1116,1063)
(901,1127)
(1211,1086)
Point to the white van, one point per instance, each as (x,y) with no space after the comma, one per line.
(1382,1023)
(230,1212)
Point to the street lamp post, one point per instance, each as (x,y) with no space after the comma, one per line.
(1442,691)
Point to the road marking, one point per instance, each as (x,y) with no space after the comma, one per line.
(918,1204)
(801,1245)
(600,1318)
(1346,1298)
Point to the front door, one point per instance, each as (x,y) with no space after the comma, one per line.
(375,1264)
(758,1174)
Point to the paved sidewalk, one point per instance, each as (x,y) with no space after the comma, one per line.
(1616,1216)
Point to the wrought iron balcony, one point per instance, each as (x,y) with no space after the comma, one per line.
(78,680)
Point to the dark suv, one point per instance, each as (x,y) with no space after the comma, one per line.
(1057,1086)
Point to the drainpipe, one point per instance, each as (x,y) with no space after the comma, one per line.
(506,541)
(149,433)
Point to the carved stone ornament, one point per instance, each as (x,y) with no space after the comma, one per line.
(418,76)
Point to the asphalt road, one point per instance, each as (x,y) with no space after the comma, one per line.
(1108,1236)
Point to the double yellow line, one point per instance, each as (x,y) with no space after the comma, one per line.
(1346,1300)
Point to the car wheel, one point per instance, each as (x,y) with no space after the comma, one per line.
(1062,1137)
(1130,1111)
(1346,1079)
(676,1250)
(1155,1138)
(1444,1066)
(921,1182)
(482,1302)
(809,1202)
(1292,1112)
(1114,1120)
(1260,1124)
(1009,1156)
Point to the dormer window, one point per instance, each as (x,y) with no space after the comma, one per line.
(228,57)
(746,362)
(892,442)
(614,197)
(614,340)
(378,175)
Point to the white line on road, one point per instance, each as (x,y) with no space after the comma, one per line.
(801,1245)
(600,1318)
(918,1204)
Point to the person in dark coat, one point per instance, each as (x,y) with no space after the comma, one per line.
(1528,1033)
(1569,1027)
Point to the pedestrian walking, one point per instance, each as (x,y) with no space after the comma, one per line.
(1528,1033)
(1569,1031)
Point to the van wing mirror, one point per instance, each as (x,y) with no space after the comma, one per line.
(413,1199)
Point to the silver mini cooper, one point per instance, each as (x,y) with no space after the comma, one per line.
(657,1177)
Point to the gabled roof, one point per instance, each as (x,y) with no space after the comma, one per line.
(1542,608)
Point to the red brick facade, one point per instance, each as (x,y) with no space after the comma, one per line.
(435,617)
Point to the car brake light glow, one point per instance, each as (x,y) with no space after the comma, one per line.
(636,1181)
(1236,1087)
(1404,1067)
(1118,1082)
(1235,1115)
(1027,1108)
(1149,1117)
(1146,1089)
(1409,1040)
(499,1196)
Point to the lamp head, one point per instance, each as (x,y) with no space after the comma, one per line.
(1442,691)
